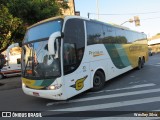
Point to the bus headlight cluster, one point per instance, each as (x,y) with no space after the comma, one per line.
(23,84)
(54,87)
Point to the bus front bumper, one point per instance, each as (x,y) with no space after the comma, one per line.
(48,94)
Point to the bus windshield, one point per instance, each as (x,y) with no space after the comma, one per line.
(36,62)
(43,31)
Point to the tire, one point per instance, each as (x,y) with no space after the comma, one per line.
(139,64)
(142,64)
(98,81)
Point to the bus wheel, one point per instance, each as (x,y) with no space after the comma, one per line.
(139,64)
(98,81)
(142,63)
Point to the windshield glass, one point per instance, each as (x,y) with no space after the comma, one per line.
(36,61)
(43,30)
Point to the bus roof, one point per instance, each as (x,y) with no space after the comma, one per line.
(69,16)
(46,20)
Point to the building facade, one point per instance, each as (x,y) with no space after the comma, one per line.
(71,9)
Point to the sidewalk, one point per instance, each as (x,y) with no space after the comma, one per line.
(10,83)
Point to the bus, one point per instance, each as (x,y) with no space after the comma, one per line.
(67,55)
(12,63)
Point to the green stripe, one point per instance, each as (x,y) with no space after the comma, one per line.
(44,83)
(48,82)
(38,82)
(118,55)
(123,55)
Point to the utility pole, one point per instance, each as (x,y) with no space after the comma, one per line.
(98,9)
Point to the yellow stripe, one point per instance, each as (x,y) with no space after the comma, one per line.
(31,83)
(95,55)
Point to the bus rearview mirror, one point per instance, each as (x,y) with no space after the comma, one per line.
(52,42)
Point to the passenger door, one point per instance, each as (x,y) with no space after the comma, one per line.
(76,71)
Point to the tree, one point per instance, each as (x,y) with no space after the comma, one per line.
(17,15)
(8,28)
(31,11)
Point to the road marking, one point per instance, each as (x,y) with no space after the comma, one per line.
(155,65)
(132,87)
(111,105)
(107,96)
(123,118)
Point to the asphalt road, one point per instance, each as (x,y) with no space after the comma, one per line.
(125,95)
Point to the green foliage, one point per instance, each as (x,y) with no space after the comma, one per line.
(31,11)
(8,26)
(17,15)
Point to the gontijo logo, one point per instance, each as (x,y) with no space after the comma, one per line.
(79,83)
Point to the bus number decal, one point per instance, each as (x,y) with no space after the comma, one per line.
(79,83)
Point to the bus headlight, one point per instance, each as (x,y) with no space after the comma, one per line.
(23,84)
(54,87)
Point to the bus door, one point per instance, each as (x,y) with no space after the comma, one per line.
(77,81)
(76,71)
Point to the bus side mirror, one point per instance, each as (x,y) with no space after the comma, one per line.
(52,41)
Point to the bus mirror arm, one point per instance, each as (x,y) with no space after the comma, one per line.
(57,49)
(51,43)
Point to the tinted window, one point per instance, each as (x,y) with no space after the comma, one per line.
(109,34)
(74,43)
(129,36)
(94,33)
(43,30)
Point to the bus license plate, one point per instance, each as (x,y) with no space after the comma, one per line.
(35,94)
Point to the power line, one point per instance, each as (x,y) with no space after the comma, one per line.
(151,18)
(129,13)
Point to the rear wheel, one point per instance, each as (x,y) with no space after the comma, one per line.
(143,61)
(139,64)
(98,81)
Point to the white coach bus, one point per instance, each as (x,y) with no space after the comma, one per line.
(67,55)
(12,67)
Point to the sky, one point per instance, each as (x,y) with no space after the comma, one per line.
(147,10)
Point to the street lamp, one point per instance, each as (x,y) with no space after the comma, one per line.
(136,20)
(130,20)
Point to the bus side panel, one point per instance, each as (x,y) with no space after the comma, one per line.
(108,58)
(136,51)
(77,81)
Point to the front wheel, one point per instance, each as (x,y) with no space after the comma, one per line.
(98,81)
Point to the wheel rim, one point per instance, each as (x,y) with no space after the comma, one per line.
(97,80)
